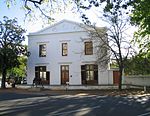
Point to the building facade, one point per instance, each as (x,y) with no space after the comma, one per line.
(64,53)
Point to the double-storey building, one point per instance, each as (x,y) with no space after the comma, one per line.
(65,53)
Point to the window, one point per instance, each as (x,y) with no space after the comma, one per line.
(40,72)
(89,74)
(88,48)
(64,49)
(42,50)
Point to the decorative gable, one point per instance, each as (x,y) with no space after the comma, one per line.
(63,26)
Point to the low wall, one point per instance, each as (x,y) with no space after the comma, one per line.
(70,87)
(137,80)
(106,77)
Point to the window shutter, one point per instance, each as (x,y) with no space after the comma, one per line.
(83,74)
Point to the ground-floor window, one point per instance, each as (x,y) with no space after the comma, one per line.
(89,74)
(42,73)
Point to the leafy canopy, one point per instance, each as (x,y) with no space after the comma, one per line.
(11,38)
(116,17)
(20,70)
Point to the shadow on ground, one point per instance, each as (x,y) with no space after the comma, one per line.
(75,103)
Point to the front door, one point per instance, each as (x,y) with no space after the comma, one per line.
(116,75)
(64,74)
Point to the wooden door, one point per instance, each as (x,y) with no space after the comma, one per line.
(64,74)
(116,75)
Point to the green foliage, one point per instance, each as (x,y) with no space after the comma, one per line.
(141,16)
(11,37)
(138,65)
(115,15)
(20,70)
(139,12)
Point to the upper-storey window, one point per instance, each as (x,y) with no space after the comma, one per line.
(42,50)
(64,49)
(88,48)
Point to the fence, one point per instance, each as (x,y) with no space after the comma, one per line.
(141,80)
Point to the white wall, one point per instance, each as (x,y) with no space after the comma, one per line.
(106,77)
(54,58)
(53,38)
(137,80)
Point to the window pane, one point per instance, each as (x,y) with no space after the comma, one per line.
(88,48)
(95,67)
(91,75)
(67,67)
(87,76)
(42,50)
(44,75)
(62,68)
(41,74)
(36,68)
(42,68)
(87,67)
(83,67)
(91,67)
(64,49)
(40,71)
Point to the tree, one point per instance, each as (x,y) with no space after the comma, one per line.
(43,9)
(115,40)
(11,37)
(19,72)
(141,18)
(138,65)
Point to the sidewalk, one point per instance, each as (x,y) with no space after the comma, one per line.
(45,91)
(73,87)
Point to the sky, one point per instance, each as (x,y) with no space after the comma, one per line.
(30,26)
(16,11)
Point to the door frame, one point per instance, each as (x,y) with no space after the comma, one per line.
(63,82)
(116,75)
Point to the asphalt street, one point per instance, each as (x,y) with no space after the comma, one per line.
(19,104)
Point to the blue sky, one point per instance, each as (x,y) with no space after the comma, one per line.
(32,26)
(15,11)
(12,12)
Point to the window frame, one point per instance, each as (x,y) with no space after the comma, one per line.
(64,49)
(88,48)
(40,71)
(42,49)
(86,71)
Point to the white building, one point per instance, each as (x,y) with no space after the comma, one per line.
(64,53)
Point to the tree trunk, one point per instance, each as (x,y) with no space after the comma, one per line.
(120,80)
(3,77)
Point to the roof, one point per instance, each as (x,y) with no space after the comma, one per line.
(61,27)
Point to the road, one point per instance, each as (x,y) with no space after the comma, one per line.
(19,104)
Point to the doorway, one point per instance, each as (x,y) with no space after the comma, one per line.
(116,75)
(64,74)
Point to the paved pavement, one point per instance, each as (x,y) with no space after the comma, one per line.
(15,102)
